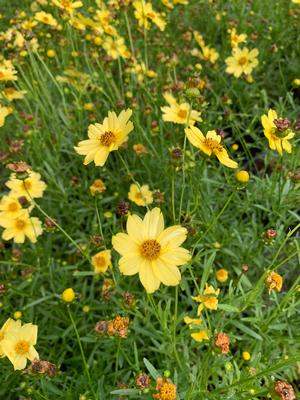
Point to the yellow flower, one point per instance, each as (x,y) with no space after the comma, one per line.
(101,261)
(106,137)
(11,93)
(10,207)
(140,195)
(278,138)
(236,39)
(144,13)
(242,176)
(21,227)
(200,336)
(46,18)
(274,281)
(98,186)
(210,145)
(4,112)
(207,53)
(7,71)
(246,355)
(115,47)
(222,275)
(68,295)
(296,1)
(18,344)
(31,187)
(242,61)
(207,301)
(152,251)
(8,325)
(192,321)
(68,5)
(179,113)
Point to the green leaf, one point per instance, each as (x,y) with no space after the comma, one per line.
(152,371)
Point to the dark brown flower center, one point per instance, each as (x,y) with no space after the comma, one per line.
(150,249)
(243,60)
(107,138)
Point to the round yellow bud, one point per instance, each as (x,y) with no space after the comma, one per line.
(74,54)
(222,275)
(68,295)
(86,309)
(88,106)
(246,355)
(97,40)
(242,176)
(51,53)
(296,82)
(17,315)
(88,37)
(235,147)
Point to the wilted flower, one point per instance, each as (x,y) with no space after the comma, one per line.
(118,326)
(274,281)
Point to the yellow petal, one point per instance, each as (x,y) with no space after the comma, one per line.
(147,277)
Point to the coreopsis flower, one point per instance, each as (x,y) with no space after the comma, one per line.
(152,251)
(68,5)
(208,300)
(274,281)
(4,112)
(105,137)
(179,113)
(18,344)
(201,335)
(98,186)
(145,13)
(118,326)
(30,187)
(242,61)
(6,327)
(166,390)
(222,342)
(21,227)
(7,71)
(206,53)
(101,261)
(236,39)
(140,70)
(139,149)
(11,94)
(115,47)
(210,145)
(222,275)
(45,18)
(277,131)
(10,207)
(192,321)
(140,195)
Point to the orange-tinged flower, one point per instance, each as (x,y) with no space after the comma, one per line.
(101,261)
(105,137)
(210,145)
(152,251)
(166,390)
(274,281)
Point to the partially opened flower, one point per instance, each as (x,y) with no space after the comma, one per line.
(210,145)
(140,195)
(274,281)
(30,187)
(277,131)
(152,251)
(179,113)
(18,344)
(21,227)
(101,261)
(200,336)
(208,300)
(105,137)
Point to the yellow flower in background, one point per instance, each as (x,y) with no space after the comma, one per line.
(200,336)
(18,344)
(145,13)
(242,61)
(192,321)
(296,1)
(10,207)
(210,145)
(222,275)
(7,71)
(208,300)
(7,326)
(236,39)
(206,53)
(140,195)
(98,186)
(152,251)
(101,261)
(68,5)
(45,18)
(277,131)
(115,47)
(274,281)
(4,112)
(21,227)
(179,113)
(106,137)
(11,93)
(31,187)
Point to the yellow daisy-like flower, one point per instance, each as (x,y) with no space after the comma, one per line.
(18,344)
(31,187)
(179,113)
(4,112)
(115,47)
(210,145)
(208,300)
(7,72)
(152,251)
(21,227)
(242,61)
(200,336)
(236,39)
(277,136)
(11,93)
(68,5)
(140,195)
(10,207)
(105,137)
(45,18)
(7,326)
(296,1)
(101,261)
